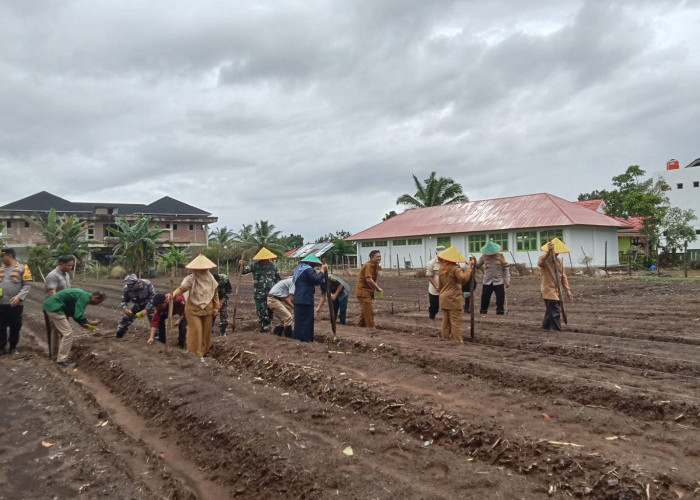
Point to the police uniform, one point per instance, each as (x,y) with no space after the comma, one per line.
(15,281)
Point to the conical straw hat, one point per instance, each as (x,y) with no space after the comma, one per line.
(200,262)
(264,254)
(559,246)
(452,255)
(311,259)
(491,248)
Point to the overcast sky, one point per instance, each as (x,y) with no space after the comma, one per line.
(313,114)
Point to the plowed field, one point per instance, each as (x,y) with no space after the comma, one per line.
(607,409)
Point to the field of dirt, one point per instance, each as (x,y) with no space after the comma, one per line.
(607,409)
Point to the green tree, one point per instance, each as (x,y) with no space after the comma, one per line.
(4,237)
(262,235)
(593,195)
(221,245)
(433,191)
(292,241)
(340,246)
(137,243)
(389,215)
(174,258)
(40,260)
(64,235)
(677,229)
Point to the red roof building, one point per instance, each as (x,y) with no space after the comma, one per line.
(520,224)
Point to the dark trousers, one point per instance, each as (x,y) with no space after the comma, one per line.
(181,330)
(552,315)
(433,305)
(340,306)
(126,320)
(486,291)
(10,318)
(304,322)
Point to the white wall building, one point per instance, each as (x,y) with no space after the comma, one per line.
(684,194)
(520,224)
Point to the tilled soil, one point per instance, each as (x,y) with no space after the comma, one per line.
(608,408)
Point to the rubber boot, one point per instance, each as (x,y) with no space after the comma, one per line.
(288,332)
(278,330)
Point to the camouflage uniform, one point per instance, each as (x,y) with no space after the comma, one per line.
(265,275)
(142,297)
(224,290)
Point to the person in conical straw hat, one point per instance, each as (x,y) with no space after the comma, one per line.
(305,280)
(496,276)
(548,283)
(202,304)
(451,299)
(432,272)
(265,275)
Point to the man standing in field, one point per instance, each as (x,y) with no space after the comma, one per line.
(549,286)
(265,275)
(280,294)
(366,285)
(432,272)
(224,290)
(70,303)
(15,283)
(496,277)
(56,280)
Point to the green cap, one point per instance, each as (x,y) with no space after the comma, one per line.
(311,259)
(491,248)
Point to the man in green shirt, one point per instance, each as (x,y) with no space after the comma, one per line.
(70,303)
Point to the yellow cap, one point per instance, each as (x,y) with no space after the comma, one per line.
(264,254)
(559,246)
(451,255)
(200,262)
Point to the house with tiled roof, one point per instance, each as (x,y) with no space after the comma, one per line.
(188,225)
(520,224)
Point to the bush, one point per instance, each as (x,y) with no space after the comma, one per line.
(117,272)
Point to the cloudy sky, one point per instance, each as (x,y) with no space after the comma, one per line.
(314,114)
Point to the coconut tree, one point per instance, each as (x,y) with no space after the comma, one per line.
(221,243)
(433,191)
(137,243)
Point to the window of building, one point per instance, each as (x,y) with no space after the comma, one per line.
(167,225)
(444,241)
(398,243)
(476,241)
(679,185)
(526,241)
(696,184)
(415,241)
(26,223)
(550,234)
(367,244)
(191,227)
(9,224)
(501,239)
(174,227)
(91,232)
(381,243)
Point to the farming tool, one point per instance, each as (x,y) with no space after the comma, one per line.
(235,294)
(472,287)
(560,291)
(170,306)
(48,332)
(329,299)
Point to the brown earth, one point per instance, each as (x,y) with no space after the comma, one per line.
(608,408)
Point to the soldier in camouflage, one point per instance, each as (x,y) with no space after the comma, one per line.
(140,293)
(265,275)
(224,289)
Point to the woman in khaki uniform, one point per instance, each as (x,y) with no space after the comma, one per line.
(451,298)
(202,304)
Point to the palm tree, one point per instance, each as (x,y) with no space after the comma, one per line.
(220,246)
(264,235)
(433,191)
(137,244)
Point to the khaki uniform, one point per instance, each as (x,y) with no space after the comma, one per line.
(451,299)
(365,293)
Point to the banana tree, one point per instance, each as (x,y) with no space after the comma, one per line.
(137,242)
